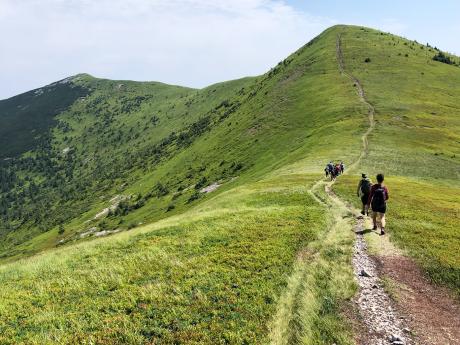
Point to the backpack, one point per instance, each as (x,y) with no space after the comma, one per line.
(378,200)
(365,186)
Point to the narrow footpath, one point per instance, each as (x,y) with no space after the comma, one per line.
(383,324)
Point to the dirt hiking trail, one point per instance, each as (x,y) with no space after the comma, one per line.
(382,322)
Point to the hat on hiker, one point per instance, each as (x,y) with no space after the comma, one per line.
(363,175)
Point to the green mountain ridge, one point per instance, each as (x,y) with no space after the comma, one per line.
(218,188)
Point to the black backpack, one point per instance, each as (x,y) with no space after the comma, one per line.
(378,199)
(365,186)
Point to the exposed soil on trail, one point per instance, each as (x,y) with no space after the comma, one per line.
(384,324)
(433,315)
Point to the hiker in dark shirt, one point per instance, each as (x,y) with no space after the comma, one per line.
(378,197)
(338,169)
(364,188)
(330,168)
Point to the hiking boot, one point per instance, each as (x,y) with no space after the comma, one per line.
(375,227)
(382,231)
(362,212)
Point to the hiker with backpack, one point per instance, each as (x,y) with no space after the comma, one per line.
(378,197)
(364,189)
(338,169)
(330,168)
(342,167)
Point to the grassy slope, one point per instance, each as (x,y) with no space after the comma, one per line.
(213,273)
(218,272)
(103,132)
(415,143)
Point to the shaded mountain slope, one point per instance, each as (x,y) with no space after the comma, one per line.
(27,118)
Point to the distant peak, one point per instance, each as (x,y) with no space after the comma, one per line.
(83,75)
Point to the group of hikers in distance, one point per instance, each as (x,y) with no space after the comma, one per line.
(373,196)
(334,169)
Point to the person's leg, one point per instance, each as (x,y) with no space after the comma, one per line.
(374,220)
(365,209)
(382,223)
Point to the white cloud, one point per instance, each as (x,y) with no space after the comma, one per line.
(188,42)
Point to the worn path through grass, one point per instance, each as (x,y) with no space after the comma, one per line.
(373,303)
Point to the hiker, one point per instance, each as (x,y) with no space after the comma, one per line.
(364,189)
(378,197)
(342,167)
(338,169)
(335,172)
(330,168)
(326,171)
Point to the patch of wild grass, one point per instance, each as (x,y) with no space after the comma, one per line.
(207,276)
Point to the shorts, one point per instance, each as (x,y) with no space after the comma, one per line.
(364,199)
(380,209)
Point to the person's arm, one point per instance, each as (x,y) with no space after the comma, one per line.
(387,196)
(359,187)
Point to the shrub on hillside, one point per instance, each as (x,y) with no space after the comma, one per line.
(236,166)
(441,57)
(201,183)
(193,197)
(367,60)
(161,190)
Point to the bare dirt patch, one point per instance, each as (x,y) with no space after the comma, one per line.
(433,315)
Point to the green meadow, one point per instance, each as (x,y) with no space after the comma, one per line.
(211,275)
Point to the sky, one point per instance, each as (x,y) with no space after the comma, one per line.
(189,42)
